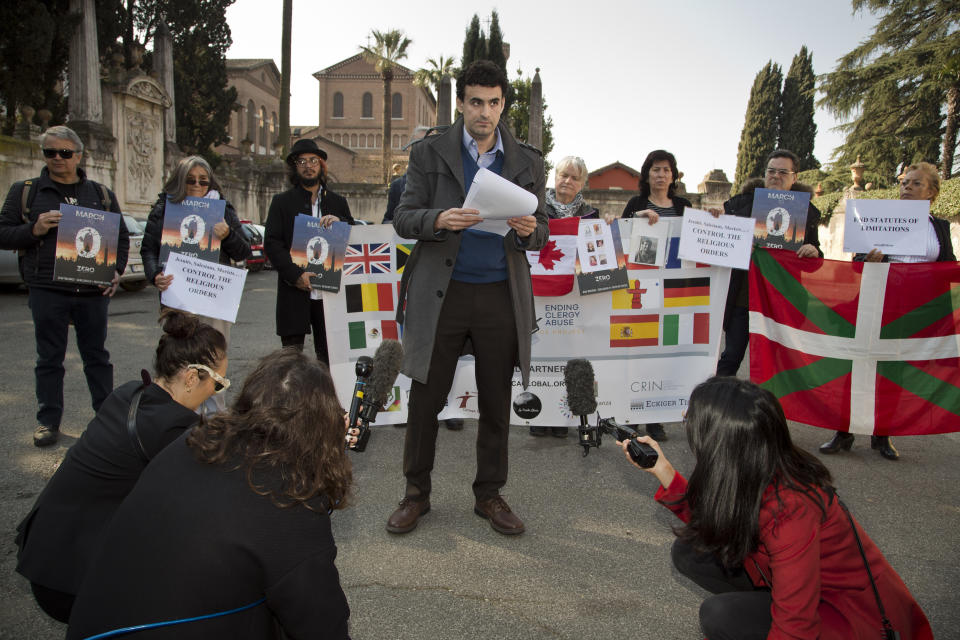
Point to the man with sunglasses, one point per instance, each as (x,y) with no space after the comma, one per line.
(28,223)
(780,174)
(299,306)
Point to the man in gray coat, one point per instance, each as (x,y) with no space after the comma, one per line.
(466,291)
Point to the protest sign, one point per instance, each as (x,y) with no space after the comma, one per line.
(188,228)
(320,251)
(780,218)
(895,227)
(204,288)
(725,241)
(86,250)
(601,265)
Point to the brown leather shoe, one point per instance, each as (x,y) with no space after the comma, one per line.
(405,518)
(501,518)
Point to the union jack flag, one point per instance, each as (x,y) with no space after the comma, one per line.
(367,258)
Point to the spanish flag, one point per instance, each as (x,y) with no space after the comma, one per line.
(686,292)
(373,296)
(634,331)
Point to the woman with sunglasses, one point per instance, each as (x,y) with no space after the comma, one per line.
(766,533)
(228,532)
(193,178)
(59,536)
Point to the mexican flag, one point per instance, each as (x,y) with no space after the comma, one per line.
(869,348)
(552,267)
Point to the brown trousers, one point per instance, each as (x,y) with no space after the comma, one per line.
(482,313)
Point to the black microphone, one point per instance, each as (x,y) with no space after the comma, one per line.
(579,380)
(386,366)
(363,369)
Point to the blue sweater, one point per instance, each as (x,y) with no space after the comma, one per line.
(481,257)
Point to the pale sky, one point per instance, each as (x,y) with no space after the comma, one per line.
(620,78)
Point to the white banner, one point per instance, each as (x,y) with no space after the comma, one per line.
(202,287)
(649,344)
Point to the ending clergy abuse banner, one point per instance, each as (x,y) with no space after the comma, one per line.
(649,344)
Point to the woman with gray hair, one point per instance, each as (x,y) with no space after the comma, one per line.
(565,199)
(193,178)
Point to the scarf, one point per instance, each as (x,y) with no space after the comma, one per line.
(565,210)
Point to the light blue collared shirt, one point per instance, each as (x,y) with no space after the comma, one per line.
(484,160)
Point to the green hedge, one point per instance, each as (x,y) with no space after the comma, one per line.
(947,205)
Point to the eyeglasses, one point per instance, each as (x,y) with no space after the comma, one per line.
(219,382)
(66,154)
(778,172)
(193,181)
(308,162)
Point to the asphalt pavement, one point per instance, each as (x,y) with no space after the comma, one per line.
(594,562)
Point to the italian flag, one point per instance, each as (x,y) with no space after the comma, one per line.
(869,348)
(552,267)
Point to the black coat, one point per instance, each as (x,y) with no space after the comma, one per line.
(37,261)
(234,246)
(639,203)
(742,205)
(60,535)
(393,197)
(293,304)
(194,539)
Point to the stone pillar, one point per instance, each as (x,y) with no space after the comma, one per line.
(163,59)
(86,100)
(536,112)
(443,102)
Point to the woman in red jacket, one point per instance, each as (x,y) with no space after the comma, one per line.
(767,534)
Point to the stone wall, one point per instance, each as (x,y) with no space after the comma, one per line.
(21,159)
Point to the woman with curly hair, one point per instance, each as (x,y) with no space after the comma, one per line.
(227,534)
(766,533)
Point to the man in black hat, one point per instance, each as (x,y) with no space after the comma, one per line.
(299,307)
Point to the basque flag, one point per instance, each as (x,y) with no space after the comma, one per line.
(870,348)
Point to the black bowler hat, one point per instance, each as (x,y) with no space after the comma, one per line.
(305,146)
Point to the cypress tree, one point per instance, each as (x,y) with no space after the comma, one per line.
(902,63)
(470,41)
(480,51)
(797,128)
(495,43)
(761,125)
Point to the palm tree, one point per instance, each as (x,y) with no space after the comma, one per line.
(440,68)
(389,48)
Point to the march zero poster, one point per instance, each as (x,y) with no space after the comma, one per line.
(87,242)
(649,344)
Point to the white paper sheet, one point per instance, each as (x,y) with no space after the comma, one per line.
(202,287)
(725,241)
(497,199)
(895,227)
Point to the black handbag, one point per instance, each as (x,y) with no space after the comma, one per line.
(135,440)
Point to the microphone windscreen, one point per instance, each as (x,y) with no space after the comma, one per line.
(386,366)
(578,378)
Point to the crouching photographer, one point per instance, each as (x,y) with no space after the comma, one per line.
(766,533)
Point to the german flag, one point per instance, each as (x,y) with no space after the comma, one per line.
(634,331)
(686,292)
(374,296)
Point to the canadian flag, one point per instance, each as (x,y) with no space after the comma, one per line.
(552,267)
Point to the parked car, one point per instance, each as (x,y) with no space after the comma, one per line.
(254,235)
(133,278)
(9,268)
